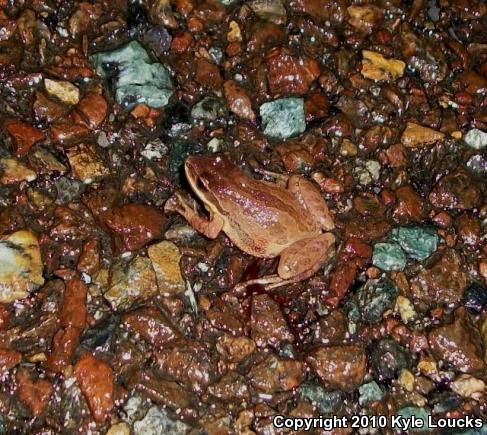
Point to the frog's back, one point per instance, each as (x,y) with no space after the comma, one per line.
(261,218)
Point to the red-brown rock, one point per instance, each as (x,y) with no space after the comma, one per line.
(34,393)
(95,379)
(152,326)
(268,325)
(9,358)
(24,136)
(457,190)
(409,206)
(208,75)
(238,101)
(458,344)
(91,110)
(73,312)
(134,225)
(340,367)
(63,345)
(289,74)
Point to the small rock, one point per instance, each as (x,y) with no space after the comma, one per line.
(409,206)
(370,392)
(475,297)
(271,10)
(289,74)
(468,229)
(416,135)
(158,39)
(468,386)
(364,18)
(24,136)
(34,393)
(63,346)
(332,329)
(13,172)
(458,344)
(389,256)
(375,297)
(21,266)
(8,359)
(322,11)
(208,75)
(230,387)
(191,365)
(283,118)
(45,162)
(476,139)
(457,190)
(442,283)
(119,429)
(131,282)
(238,101)
(94,109)
(406,380)
(388,358)
(234,349)
(136,79)
(234,34)
(418,242)
(85,163)
(165,257)
(95,379)
(208,109)
(268,325)
(325,401)
(377,67)
(158,422)
(405,309)
(73,312)
(152,325)
(155,149)
(134,225)
(63,90)
(341,367)
(275,374)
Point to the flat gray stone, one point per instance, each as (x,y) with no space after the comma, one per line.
(476,139)
(283,118)
(137,80)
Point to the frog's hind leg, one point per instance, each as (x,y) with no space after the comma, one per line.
(208,227)
(297,263)
(311,200)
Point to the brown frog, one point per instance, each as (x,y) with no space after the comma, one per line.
(259,217)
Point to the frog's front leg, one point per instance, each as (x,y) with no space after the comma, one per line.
(298,262)
(208,227)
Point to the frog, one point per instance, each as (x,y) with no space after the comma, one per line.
(261,218)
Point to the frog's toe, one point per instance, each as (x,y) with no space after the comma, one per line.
(172,204)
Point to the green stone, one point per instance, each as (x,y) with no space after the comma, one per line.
(370,392)
(389,256)
(375,297)
(418,242)
(326,401)
(283,118)
(136,79)
(420,413)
